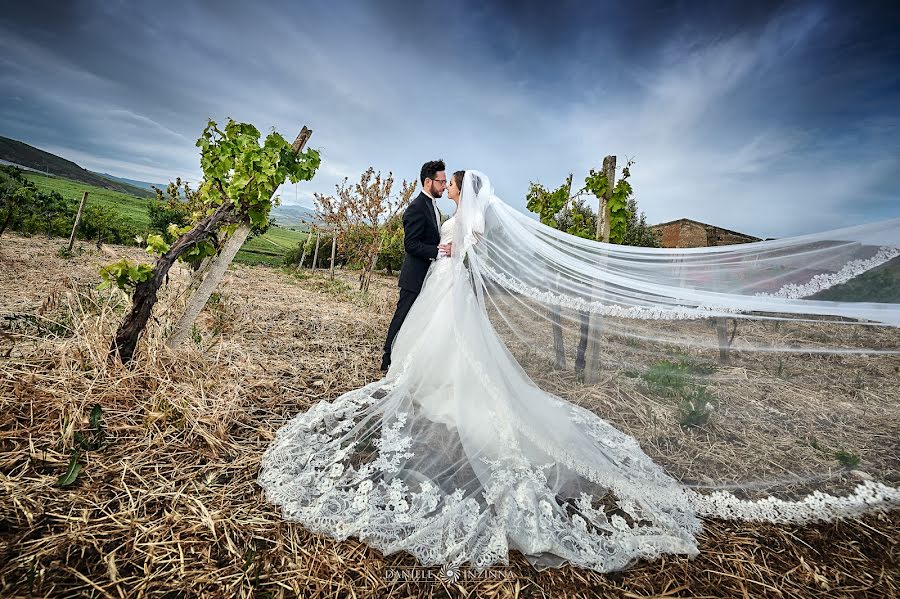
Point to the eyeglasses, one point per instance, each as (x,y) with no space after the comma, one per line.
(441,181)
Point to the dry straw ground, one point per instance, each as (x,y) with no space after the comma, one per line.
(167,505)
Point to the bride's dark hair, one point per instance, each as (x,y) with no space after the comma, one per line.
(458,176)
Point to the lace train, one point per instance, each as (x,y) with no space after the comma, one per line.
(458,457)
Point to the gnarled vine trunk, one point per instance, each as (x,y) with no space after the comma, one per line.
(144,297)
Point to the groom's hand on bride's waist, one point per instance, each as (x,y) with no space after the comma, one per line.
(445,249)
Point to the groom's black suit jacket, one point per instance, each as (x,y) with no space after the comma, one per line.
(421,236)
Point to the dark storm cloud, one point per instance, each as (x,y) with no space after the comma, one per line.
(774,118)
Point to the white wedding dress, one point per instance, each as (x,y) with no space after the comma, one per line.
(457,457)
(468,459)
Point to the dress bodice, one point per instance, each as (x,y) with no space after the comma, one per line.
(447,230)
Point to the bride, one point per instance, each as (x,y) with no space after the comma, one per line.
(458,456)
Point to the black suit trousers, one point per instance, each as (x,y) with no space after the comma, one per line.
(407,298)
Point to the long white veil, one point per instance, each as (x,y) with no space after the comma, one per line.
(758,381)
(764,369)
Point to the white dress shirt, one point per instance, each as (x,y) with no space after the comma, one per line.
(437,213)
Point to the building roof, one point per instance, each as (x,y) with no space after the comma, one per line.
(697,222)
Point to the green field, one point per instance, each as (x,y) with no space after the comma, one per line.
(130,207)
(271,247)
(265,249)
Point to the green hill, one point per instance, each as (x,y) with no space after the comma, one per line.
(881,285)
(129,206)
(23,154)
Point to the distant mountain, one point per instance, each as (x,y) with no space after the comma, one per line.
(134,183)
(21,153)
(292,215)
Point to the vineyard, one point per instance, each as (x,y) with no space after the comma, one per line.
(164,498)
(269,248)
(138,394)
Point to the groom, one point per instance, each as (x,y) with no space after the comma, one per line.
(421,236)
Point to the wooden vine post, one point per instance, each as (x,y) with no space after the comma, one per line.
(603,217)
(559,346)
(316,254)
(724,340)
(240,178)
(593,323)
(303,255)
(548,204)
(333,251)
(218,266)
(77,219)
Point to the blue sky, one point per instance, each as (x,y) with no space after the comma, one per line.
(768,118)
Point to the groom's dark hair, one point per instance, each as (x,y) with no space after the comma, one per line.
(430,169)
